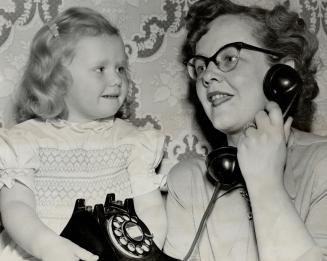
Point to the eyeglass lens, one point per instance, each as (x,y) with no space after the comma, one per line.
(226,60)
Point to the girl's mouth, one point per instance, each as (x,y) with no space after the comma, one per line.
(110,96)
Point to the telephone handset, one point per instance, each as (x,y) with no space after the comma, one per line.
(112,231)
(282,84)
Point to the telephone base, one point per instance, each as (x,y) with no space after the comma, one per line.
(112,231)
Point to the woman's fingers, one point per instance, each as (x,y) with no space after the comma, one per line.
(269,120)
(287,128)
(262,120)
(275,114)
(270,117)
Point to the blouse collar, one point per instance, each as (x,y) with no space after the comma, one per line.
(95,125)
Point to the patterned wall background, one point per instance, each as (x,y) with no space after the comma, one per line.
(153,33)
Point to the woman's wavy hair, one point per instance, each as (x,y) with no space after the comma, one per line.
(45,80)
(278,29)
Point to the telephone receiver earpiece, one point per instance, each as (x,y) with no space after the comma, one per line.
(281,84)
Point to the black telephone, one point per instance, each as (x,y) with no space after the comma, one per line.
(112,231)
(281,84)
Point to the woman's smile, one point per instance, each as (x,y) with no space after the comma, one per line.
(217,98)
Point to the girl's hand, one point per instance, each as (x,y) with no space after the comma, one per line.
(64,249)
(262,149)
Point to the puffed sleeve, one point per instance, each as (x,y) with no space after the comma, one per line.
(148,153)
(17,159)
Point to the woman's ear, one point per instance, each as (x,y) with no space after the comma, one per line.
(289,63)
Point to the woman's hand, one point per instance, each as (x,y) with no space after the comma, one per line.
(262,149)
(64,249)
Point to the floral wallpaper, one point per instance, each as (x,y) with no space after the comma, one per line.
(153,33)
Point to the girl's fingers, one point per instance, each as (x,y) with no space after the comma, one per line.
(85,255)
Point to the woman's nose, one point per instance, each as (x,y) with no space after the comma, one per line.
(212,74)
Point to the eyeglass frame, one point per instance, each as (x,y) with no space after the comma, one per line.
(239,46)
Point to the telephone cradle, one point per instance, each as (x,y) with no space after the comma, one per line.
(112,231)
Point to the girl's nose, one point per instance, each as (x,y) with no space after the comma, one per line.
(114,78)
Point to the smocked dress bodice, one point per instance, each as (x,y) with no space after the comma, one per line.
(62,161)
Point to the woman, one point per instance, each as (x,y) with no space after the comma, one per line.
(228,51)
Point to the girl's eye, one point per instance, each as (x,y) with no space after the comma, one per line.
(121,69)
(100,69)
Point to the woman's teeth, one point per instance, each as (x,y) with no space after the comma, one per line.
(218,99)
(218,96)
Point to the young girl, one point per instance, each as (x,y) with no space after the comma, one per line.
(68,143)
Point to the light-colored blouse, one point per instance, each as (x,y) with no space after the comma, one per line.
(62,161)
(229,232)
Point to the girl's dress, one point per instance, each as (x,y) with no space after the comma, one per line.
(61,161)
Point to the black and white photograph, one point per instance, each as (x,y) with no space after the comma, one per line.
(163,130)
